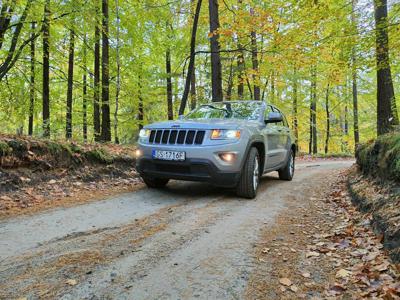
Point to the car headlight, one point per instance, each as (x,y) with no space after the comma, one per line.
(225,134)
(144,133)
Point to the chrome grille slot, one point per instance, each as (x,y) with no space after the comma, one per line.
(172,136)
(165,136)
(190,137)
(158,136)
(181,136)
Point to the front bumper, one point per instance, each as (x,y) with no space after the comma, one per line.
(202,163)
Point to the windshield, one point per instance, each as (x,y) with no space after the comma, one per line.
(227,110)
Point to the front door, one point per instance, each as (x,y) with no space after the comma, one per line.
(272,137)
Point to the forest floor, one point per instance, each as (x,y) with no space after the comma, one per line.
(297,240)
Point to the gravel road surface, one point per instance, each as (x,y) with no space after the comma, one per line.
(190,240)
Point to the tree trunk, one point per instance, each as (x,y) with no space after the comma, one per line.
(254,59)
(295,108)
(46,70)
(313,146)
(191,60)
(354,78)
(193,99)
(386,103)
(240,65)
(84,92)
(216,68)
(230,82)
(118,87)
(32,81)
(328,120)
(68,127)
(140,104)
(96,83)
(105,77)
(169,85)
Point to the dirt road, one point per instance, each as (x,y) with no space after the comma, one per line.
(187,241)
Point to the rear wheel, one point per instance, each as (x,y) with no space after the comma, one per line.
(287,172)
(250,176)
(155,182)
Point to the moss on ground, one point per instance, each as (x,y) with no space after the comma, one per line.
(381,157)
(5,149)
(99,155)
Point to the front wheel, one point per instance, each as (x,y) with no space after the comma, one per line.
(250,176)
(287,172)
(152,182)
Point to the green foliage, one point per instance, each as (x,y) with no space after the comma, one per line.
(292,36)
(381,157)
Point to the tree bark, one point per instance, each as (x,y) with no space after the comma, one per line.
(68,127)
(193,96)
(140,104)
(354,78)
(295,108)
(118,85)
(254,59)
(191,60)
(313,145)
(96,83)
(32,82)
(328,120)
(193,99)
(230,82)
(84,91)
(386,103)
(240,65)
(169,85)
(105,77)
(216,67)
(46,70)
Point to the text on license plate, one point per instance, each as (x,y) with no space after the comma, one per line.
(168,155)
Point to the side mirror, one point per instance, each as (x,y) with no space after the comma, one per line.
(274,117)
(180,117)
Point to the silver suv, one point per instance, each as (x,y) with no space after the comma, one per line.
(229,144)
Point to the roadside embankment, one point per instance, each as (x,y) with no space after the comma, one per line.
(375,188)
(38,173)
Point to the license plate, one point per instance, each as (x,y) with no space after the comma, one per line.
(169,155)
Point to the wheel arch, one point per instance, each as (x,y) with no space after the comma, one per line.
(259,145)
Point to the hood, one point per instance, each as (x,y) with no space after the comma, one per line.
(203,124)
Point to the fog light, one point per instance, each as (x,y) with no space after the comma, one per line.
(138,153)
(228,156)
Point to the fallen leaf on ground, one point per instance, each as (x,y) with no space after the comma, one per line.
(343,273)
(285,281)
(71,282)
(312,254)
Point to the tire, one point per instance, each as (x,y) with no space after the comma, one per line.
(287,172)
(155,182)
(249,179)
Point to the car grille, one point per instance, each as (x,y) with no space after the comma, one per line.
(172,136)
